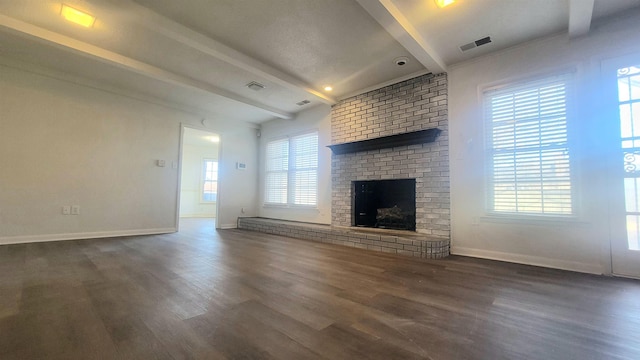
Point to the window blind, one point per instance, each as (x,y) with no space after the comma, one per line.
(276,171)
(528,148)
(291,171)
(304,169)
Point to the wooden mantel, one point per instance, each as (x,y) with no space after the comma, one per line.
(405,139)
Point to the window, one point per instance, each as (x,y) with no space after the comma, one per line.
(209,180)
(277,168)
(291,171)
(528,148)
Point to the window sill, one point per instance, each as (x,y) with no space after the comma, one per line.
(290,207)
(532,219)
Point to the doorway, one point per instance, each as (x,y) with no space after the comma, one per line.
(199,175)
(625,231)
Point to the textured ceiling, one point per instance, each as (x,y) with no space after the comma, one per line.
(198,55)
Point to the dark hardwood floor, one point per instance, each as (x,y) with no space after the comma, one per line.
(232,294)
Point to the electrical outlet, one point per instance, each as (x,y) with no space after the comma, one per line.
(75,210)
(242,210)
(66,210)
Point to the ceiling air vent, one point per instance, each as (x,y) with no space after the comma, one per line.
(255,86)
(483,41)
(303,102)
(475,44)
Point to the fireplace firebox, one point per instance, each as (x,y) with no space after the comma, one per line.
(385,204)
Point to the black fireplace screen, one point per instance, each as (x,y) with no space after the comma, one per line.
(386,204)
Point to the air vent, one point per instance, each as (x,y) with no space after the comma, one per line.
(255,86)
(475,44)
(483,41)
(303,102)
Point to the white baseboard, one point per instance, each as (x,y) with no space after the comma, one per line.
(79,236)
(529,260)
(228,226)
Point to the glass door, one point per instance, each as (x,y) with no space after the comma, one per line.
(625,242)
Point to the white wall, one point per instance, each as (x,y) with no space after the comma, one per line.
(237,189)
(191,180)
(67,144)
(578,245)
(316,118)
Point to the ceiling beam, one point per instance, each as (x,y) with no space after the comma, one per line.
(206,45)
(91,51)
(391,18)
(580,14)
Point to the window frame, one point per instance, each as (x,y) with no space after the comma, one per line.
(291,171)
(203,180)
(519,84)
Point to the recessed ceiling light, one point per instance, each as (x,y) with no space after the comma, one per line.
(77,16)
(443,3)
(401,61)
(328,88)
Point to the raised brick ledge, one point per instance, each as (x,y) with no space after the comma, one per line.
(416,245)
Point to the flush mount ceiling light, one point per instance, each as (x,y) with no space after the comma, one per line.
(328,88)
(255,86)
(443,3)
(77,16)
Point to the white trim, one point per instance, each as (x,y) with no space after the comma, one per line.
(181,153)
(532,219)
(228,226)
(179,182)
(531,260)
(23,239)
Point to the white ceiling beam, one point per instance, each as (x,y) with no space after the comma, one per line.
(580,14)
(91,51)
(206,45)
(396,24)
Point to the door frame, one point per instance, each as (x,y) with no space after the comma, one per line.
(180,153)
(617,212)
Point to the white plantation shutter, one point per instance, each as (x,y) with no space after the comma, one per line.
(277,169)
(291,171)
(528,149)
(304,169)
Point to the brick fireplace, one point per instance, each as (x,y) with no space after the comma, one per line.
(409,106)
(409,119)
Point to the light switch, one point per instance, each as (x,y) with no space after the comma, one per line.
(66,210)
(160,163)
(75,210)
